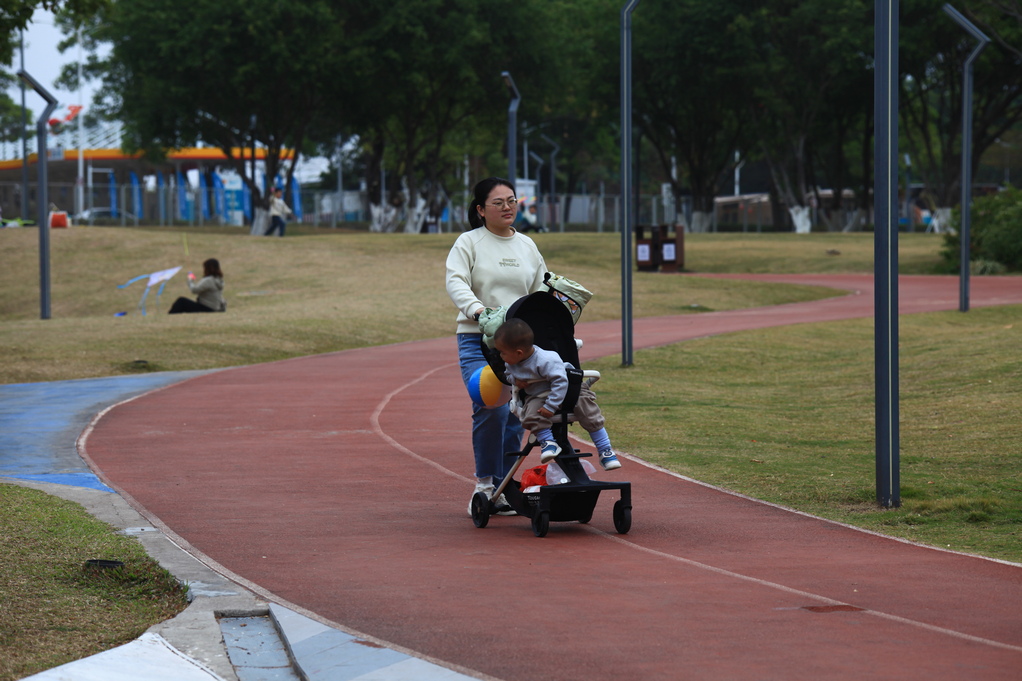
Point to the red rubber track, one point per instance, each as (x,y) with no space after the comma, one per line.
(339,483)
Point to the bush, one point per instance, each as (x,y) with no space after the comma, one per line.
(995,233)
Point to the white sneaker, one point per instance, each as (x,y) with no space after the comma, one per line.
(609,460)
(482,485)
(503,508)
(551,450)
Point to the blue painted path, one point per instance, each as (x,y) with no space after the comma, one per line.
(40,423)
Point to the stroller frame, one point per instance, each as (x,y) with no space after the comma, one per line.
(576,499)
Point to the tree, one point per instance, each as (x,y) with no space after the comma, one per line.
(690,90)
(813,59)
(433,81)
(931,92)
(224,73)
(12,128)
(16,15)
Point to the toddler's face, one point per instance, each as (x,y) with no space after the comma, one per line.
(510,356)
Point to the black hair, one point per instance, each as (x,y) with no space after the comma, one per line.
(211,268)
(515,333)
(480,193)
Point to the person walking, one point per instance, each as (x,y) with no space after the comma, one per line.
(490,266)
(278,212)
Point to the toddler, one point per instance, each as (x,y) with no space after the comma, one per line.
(541,377)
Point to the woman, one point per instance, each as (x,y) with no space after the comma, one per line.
(489,266)
(209,290)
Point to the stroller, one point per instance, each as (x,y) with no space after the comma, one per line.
(574,500)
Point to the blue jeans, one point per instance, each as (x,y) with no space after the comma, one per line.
(494,431)
(276,222)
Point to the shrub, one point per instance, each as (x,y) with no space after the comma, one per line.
(995,233)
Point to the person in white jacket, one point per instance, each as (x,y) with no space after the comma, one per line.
(489,266)
(278,211)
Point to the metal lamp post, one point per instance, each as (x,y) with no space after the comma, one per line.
(24,140)
(626,182)
(42,199)
(885,253)
(982,41)
(553,177)
(512,125)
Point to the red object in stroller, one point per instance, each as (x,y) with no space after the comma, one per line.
(576,499)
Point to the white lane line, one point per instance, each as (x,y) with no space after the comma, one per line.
(375,418)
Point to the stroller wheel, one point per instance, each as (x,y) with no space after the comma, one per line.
(480,509)
(541,523)
(622,517)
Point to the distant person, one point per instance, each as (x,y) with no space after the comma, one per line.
(528,218)
(209,291)
(542,380)
(278,211)
(532,217)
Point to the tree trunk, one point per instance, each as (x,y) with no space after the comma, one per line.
(801,216)
(701,221)
(941,221)
(382,218)
(416,214)
(854,221)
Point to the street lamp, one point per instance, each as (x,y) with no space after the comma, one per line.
(1007,161)
(24,140)
(42,200)
(539,173)
(981,42)
(627,215)
(512,124)
(553,176)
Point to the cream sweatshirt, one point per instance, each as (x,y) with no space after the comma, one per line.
(486,270)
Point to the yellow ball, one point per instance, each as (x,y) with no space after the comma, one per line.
(486,389)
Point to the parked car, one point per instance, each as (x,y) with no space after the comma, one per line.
(102,213)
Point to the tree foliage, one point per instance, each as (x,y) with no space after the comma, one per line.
(223,73)
(931,96)
(995,234)
(16,14)
(692,89)
(788,83)
(435,76)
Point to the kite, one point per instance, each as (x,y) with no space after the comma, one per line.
(161,278)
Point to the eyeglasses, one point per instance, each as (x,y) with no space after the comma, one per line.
(499,204)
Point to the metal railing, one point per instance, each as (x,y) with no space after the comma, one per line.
(129,204)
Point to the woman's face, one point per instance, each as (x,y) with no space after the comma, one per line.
(500,208)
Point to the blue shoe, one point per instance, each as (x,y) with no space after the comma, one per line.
(608,459)
(551,450)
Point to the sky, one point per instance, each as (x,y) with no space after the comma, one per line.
(43,62)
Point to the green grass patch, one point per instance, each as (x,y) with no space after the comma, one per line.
(303,295)
(53,609)
(787,415)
